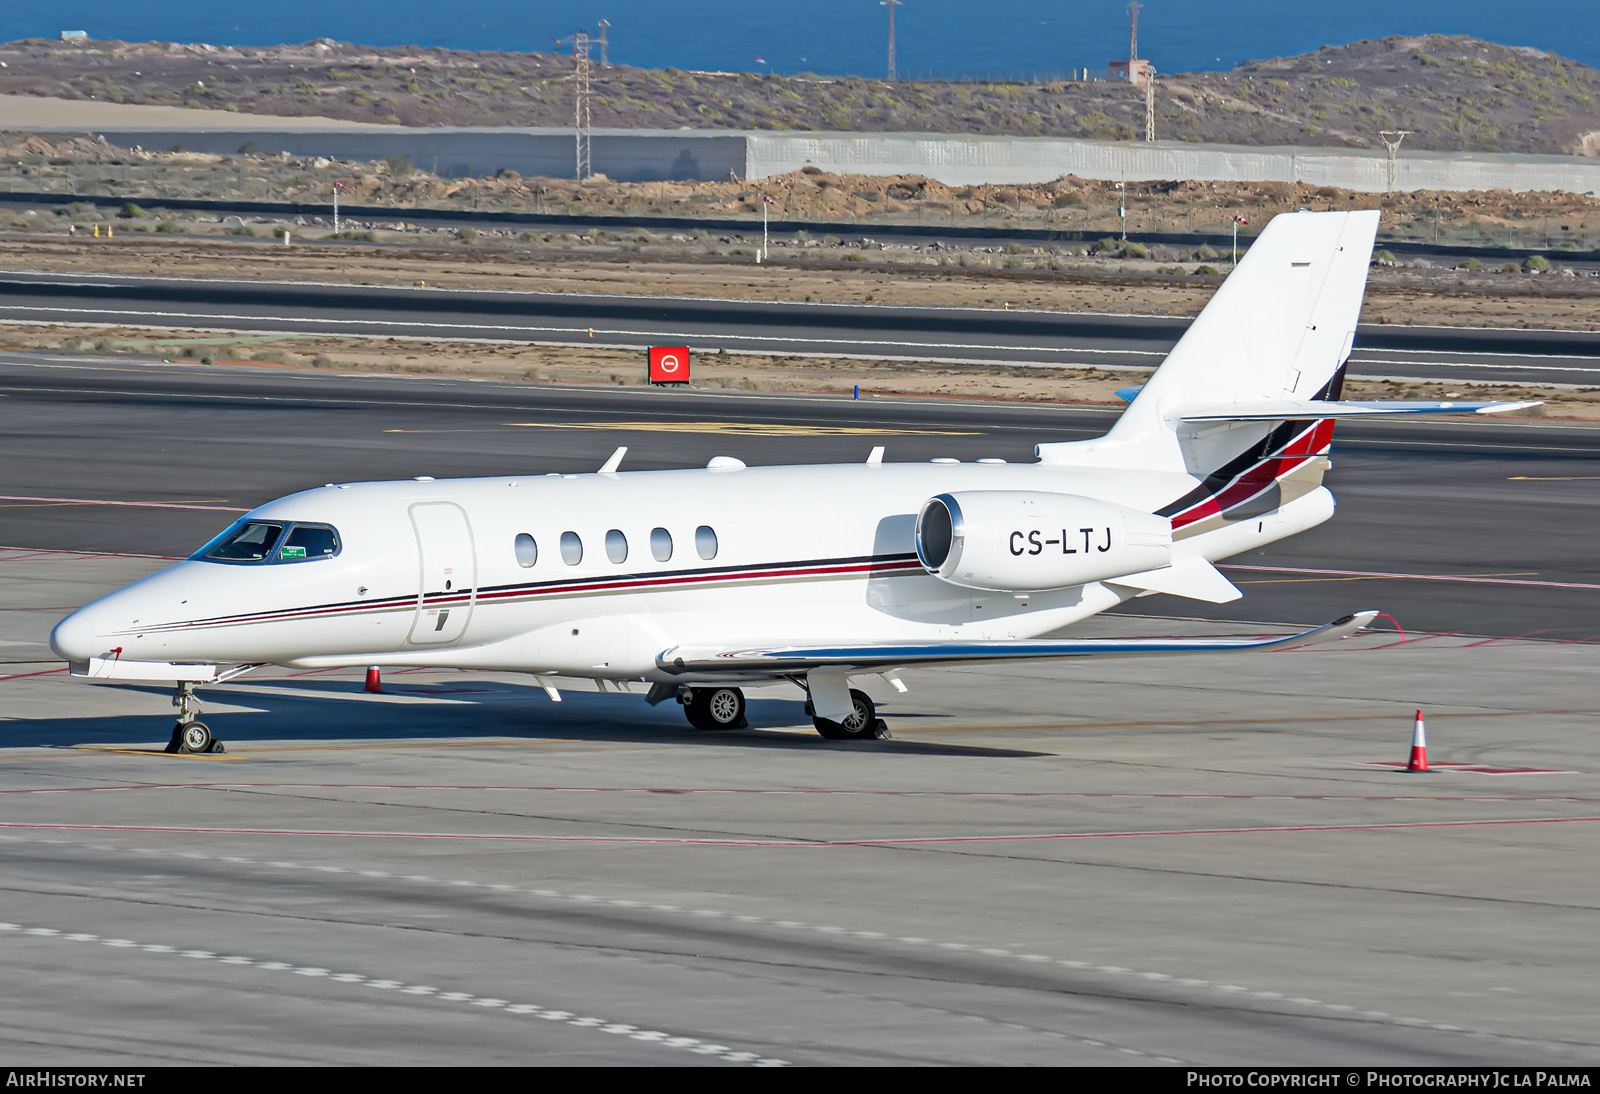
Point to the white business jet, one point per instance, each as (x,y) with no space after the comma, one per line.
(699,583)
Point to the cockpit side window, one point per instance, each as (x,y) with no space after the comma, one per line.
(309,541)
(247,541)
(265,541)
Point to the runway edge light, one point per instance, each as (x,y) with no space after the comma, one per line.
(1419,746)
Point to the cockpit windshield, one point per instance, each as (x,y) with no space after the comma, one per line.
(247,541)
(272,541)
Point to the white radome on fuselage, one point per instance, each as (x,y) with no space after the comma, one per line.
(796,540)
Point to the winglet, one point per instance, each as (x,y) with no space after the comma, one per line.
(611,465)
(875,457)
(1328,632)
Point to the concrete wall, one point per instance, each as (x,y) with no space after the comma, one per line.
(644,155)
(629,155)
(963,161)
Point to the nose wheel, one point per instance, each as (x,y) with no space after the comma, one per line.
(190,734)
(715,708)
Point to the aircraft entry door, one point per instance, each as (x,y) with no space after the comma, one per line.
(449,573)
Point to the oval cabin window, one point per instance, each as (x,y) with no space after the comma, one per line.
(616,546)
(571,548)
(705,541)
(527,550)
(661,544)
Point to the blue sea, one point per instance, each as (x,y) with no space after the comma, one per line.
(836,36)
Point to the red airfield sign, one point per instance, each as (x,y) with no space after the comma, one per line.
(669,364)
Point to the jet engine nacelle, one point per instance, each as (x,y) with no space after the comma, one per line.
(1010,540)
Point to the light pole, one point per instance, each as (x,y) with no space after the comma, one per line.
(1122,206)
(891,5)
(1237,220)
(338,188)
(766,203)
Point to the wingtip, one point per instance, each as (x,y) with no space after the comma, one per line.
(1508,408)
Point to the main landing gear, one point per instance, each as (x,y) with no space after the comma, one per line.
(191,734)
(723,708)
(714,708)
(863,723)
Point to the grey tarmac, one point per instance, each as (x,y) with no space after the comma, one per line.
(1188,862)
(1496,518)
(973,335)
(1180,861)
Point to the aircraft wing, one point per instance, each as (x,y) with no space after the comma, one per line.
(874,657)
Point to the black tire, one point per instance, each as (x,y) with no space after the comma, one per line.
(860,726)
(195,737)
(715,708)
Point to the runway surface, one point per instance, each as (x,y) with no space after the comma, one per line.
(935,334)
(1111,862)
(1493,521)
(1103,863)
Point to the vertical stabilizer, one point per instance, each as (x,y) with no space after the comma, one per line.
(1279,328)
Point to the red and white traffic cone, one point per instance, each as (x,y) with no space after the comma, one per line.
(375,685)
(1419,747)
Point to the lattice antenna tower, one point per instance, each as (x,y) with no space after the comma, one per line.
(1149,103)
(891,5)
(605,26)
(1391,140)
(580,113)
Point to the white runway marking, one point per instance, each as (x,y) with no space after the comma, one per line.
(575,332)
(1230,990)
(600,1024)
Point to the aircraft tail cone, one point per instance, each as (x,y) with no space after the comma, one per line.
(1419,746)
(375,685)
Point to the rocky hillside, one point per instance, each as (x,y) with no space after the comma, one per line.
(1453,92)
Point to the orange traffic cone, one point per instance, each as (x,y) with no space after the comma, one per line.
(1419,747)
(375,685)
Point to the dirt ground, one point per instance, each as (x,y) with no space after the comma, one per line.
(727,371)
(1422,297)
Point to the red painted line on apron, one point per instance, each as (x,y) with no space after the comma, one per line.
(820,791)
(24,675)
(1465,579)
(135,504)
(725,842)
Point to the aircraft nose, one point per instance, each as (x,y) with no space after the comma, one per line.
(74,638)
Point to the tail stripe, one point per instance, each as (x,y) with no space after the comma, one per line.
(1253,471)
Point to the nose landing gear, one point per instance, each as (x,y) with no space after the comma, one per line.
(190,734)
(714,708)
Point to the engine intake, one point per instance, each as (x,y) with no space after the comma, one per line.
(1015,540)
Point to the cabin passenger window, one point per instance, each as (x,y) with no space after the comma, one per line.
(248,541)
(571,548)
(705,541)
(526,549)
(616,546)
(309,541)
(661,544)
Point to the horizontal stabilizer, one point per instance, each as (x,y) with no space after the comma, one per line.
(1194,579)
(1276,410)
(874,657)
